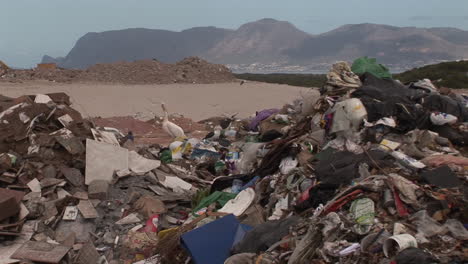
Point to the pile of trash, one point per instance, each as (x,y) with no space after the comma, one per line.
(151,131)
(189,70)
(368,170)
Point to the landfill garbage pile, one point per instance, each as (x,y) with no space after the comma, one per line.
(189,70)
(150,131)
(367,171)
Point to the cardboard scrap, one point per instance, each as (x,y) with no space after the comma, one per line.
(104,136)
(23,211)
(173,182)
(42,99)
(140,164)
(73,176)
(32,196)
(81,195)
(47,182)
(65,120)
(87,209)
(8,206)
(41,252)
(7,249)
(148,205)
(61,193)
(87,254)
(34,185)
(123,173)
(102,160)
(71,212)
(71,143)
(17,194)
(8,177)
(129,219)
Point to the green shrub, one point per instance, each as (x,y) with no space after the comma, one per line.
(448,74)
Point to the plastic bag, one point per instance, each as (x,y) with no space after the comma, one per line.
(365,64)
(408,190)
(166,156)
(457,229)
(363,213)
(288,164)
(427,225)
(440,119)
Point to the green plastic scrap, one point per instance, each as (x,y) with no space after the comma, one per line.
(252,139)
(370,65)
(13,158)
(281,122)
(220,198)
(363,213)
(166,156)
(198,197)
(220,166)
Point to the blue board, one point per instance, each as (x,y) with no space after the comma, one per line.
(211,243)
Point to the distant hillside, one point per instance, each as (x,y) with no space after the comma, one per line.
(447,74)
(274,46)
(264,41)
(140,44)
(390,45)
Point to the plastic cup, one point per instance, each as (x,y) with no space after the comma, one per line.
(395,244)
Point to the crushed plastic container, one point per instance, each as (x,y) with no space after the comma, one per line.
(395,244)
(348,115)
(363,213)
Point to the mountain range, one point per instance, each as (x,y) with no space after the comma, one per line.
(269,45)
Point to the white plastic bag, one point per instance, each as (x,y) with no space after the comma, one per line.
(288,164)
(440,119)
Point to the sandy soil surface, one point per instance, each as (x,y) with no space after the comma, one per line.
(196,101)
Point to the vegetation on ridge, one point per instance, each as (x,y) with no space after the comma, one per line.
(452,74)
(447,74)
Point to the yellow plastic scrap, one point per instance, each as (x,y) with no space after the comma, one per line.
(166,232)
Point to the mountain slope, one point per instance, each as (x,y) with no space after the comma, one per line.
(391,45)
(264,40)
(139,44)
(272,42)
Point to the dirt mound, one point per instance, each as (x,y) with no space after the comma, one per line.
(189,70)
(57,75)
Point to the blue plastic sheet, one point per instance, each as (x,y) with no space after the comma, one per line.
(212,243)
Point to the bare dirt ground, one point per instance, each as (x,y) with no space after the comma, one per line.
(196,101)
(193,101)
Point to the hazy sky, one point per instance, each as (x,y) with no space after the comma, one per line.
(32,28)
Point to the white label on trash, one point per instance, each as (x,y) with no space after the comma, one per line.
(407,160)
